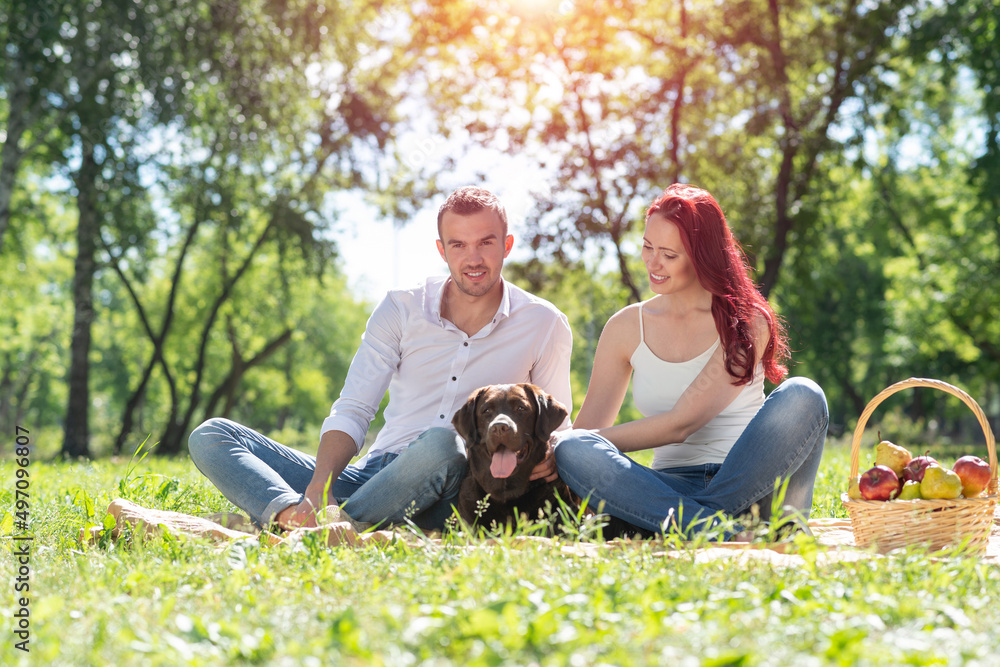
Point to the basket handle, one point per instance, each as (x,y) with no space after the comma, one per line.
(933,384)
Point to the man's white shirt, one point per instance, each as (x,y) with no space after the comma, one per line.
(430,366)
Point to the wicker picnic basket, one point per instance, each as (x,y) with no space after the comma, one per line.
(935,524)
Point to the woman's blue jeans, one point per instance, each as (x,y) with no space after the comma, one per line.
(784,441)
(262,477)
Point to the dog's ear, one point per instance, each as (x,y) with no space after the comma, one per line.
(465,420)
(551,412)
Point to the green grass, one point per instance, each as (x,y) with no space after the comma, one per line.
(175,601)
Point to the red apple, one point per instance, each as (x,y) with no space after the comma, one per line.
(879,483)
(914,470)
(974,473)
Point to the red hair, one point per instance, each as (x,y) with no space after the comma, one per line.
(722,269)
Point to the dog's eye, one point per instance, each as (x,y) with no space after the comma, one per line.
(520,408)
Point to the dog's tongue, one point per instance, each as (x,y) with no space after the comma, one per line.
(504,462)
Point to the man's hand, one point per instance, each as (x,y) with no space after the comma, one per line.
(335,451)
(297,516)
(547,468)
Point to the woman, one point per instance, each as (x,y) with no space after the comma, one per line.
(697,354)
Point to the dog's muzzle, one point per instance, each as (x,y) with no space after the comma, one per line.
(502,426)
(503,445)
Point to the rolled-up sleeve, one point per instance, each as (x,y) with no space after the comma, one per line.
(369,375)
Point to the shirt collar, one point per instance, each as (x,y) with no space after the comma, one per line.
(504,309)
(434,292)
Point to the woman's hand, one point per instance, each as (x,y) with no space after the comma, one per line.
(546,469)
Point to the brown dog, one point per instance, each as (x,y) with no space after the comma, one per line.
(506,429)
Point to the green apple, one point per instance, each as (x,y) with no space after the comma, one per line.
(910,491)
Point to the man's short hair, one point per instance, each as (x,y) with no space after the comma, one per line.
(471,199)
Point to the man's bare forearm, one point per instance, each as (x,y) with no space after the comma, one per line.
(336,449)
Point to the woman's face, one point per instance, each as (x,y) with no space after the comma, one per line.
(668,266)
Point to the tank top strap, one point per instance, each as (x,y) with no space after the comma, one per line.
(641,337)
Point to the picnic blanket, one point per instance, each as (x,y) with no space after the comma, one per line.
(834,536)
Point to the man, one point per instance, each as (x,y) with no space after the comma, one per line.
(430,346)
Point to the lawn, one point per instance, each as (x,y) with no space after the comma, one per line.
(177,601)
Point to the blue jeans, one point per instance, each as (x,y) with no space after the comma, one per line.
(783,441)
(262,477)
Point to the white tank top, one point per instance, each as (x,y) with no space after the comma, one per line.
(656,386)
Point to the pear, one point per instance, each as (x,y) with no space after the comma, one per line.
(892,456)
(910,491)
(854,488)
(940,483)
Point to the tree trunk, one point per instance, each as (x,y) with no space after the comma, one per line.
(128,417)
(173,436)
(227,388)
(635,295)
(14,388)
(286,367)
(170,443)
(76,438)
(782,224)
(678,107)
(789,147)
(7,393)
(10,154)
(156,338)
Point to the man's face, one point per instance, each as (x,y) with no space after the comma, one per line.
(474,246)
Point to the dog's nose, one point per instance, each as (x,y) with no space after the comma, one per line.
(502,425)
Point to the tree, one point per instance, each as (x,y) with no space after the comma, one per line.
(276,102)
(34,313)
(85,82)
(297,101)
(34,89)
(625,97)
(912,238)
